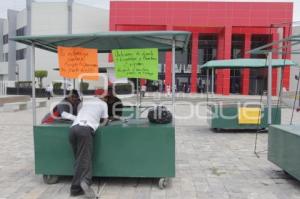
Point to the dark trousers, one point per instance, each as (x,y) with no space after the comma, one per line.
(48,95)
(81,139)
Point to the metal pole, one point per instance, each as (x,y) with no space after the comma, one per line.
(137,90)
(270,87)
(173,77)
(18,77)
(207,74)
(137,98)
(33,85)
(70,23)
(212,80)
(65,87)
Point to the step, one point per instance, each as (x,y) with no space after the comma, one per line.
(19,106)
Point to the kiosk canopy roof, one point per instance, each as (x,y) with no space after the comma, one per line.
(107,41)
(247,63)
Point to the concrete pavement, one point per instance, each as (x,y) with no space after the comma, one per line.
(208,165)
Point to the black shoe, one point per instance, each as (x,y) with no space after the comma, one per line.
(87,189)
(76,192)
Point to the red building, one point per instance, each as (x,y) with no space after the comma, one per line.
(220,30)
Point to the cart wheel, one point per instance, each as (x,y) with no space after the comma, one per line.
(50,179)
(286,173)
(217,130)
(163,183)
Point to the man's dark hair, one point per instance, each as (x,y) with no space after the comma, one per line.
(110,88)
(73,92)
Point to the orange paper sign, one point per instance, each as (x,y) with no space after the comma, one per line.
(78,63)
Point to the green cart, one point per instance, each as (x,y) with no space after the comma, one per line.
(135,148)
(226,116)
(284,147)
(128,148)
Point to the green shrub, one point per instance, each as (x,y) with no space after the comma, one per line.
(84,86)
(57,85)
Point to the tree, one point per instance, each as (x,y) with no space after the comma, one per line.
(40,74)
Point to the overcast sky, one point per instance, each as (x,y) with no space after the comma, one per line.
(20,4)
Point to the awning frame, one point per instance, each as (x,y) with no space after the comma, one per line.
(163,40)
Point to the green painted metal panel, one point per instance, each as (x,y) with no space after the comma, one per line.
(247,63)
(284,147)
(136,148)
(106,41)
(216,119)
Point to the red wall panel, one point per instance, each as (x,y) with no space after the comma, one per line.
(216,13)
(202,17)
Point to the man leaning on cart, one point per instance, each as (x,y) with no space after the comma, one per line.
(81,137)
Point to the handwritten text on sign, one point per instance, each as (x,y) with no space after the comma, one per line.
(74,62)
(136,63)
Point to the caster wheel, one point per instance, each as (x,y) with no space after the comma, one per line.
(163,183)
(286,173)
(217,130)
(50,179)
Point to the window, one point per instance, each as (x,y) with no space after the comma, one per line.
(237,50)
(20,54)
(21,31)
(5,39)
(184,57)
(207,48)
(257,41)
(161,57)
(6,57)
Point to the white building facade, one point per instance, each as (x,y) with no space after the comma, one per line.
(40,18)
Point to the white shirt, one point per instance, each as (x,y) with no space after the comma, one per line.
(143,88)
(49,88)
(91,112)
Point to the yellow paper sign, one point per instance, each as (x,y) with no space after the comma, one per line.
(136,63)
(75,62)
(249,115)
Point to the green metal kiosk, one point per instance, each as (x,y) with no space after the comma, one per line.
(127,148)
(284,139)
(229,115)
(283,148)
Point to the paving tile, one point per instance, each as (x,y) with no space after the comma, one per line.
(208,166)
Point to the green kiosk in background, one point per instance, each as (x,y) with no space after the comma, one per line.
(226,116)
(131,147)
(245,115)
(284,139)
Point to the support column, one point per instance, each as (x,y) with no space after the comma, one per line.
(1,40)
(195,41)
(28,32)
(246,71)
(12,47)
(223,76)
(70,16)
(168,69)
(275,37)
(286,69)
(220,55)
